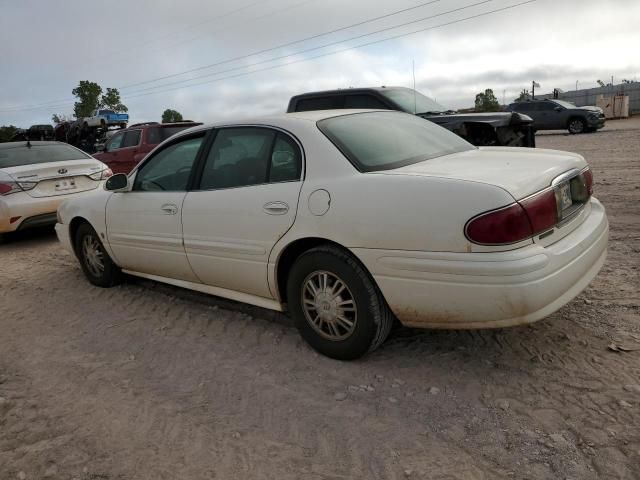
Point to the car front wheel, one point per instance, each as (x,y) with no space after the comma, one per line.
(94,259)
(335,304)
(576,125)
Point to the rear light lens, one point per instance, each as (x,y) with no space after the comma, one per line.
(500,227)
(101,175)
(515,223)
(7,188)
(588,180)
(542,211)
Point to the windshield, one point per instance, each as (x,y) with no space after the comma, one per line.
(19,155)
(411,101)
(105,112)
(386,140)
(564,104)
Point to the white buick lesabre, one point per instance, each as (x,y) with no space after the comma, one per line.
(349,219)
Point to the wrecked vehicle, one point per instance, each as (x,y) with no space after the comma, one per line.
(510,129)
(104,119)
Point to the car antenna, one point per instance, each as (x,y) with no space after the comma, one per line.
(413,71)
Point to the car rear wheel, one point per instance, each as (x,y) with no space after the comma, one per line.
(576,125)
(335,304)
(94,259)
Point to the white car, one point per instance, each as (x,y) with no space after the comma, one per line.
(349,220)
(36,177)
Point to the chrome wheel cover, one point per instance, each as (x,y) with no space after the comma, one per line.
(328,305)
(92,255)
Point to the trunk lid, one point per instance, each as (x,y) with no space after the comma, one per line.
(519,171)
(58,178)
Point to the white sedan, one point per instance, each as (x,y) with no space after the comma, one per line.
(349,220)
(36,177)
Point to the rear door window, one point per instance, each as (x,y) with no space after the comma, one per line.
(364,101)
(286,160)
(131,139)
(239,157)
(329,102)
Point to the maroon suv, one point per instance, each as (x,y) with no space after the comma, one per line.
(127,147)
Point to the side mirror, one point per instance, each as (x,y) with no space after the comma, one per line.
(558,109)
(117,183)
(101,147)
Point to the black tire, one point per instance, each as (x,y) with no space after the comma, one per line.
(110,274)
(576,125)
(373,318)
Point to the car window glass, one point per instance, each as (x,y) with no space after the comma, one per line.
(115,142)
(545,106)
(286,161)
(170,168)
(131,139)
(319,103)
(364,101)
(523,107)
(239,157)
(376,141)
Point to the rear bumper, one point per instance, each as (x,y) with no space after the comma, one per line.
(29,212)
(489,290)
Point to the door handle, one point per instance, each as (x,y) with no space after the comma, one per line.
(275,208)
(169,209)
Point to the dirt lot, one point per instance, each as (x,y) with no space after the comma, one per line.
(145,381)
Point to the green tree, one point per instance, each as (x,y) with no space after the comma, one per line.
(59,118)
(487,102)
(88,94)
(111,100)
(524,95)
(169,116)
(7,132)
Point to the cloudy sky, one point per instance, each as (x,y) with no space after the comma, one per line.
(213,59)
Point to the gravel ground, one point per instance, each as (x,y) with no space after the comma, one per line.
(146,381)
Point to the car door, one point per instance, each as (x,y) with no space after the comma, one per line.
(121,155)
(550,119)
(144,226)
(245,200)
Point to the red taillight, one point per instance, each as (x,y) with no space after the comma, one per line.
(499,227)
(542,211)
(588,180)
(6,188)
(516,222)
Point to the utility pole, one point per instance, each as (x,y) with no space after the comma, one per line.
(534,84)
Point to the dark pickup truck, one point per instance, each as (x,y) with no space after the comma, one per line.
(510,129)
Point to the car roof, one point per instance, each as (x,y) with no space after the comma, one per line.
(24,144)
(346,91)
(277,119)
(158,125)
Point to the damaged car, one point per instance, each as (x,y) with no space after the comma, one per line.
(508,129)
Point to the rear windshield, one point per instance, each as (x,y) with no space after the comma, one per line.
(23,155)
(160,134)
(385,140)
